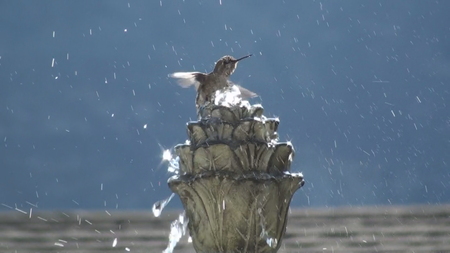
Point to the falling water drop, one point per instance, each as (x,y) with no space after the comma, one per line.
(159,205)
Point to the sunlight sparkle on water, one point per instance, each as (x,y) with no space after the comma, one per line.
(228,97)
(177,230)
(167,155)
(174,165)
(272,242)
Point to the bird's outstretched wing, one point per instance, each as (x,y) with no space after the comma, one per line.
(187,79)
(246,93)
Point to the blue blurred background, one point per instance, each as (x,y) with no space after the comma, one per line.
(86,107)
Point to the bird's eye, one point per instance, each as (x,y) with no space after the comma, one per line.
(226,61)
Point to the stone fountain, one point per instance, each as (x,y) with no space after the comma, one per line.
(234,180)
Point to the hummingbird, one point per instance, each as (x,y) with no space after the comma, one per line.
(207,84)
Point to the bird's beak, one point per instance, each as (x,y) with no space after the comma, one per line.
(242,58)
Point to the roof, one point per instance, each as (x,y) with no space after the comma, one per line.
(343,229)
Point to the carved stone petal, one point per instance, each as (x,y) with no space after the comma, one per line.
(242,132)
(241,112)
(218,132)
(225,114)
(205,111)
(230,215)
(282,157)
(256,130)
(272,126)
(225,132)
(209,131)
(196,133)
(215,158)
(260,131)
(254,157)
(185,154)
(256,111)
(231,114)
(238,111)
(235,113)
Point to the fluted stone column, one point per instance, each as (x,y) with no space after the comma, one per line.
(234,180)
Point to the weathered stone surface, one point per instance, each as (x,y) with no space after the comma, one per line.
(234,180)
(214,130)
(228,214)
(265,158)
(231,114)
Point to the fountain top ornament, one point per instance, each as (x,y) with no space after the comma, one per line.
(233,176)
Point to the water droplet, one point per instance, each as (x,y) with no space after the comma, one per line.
(159,205)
